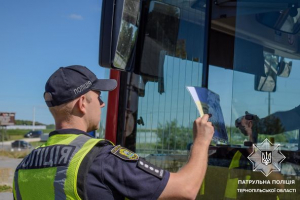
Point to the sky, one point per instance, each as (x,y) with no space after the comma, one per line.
(38,37)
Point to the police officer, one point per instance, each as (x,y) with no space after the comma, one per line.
(73,165)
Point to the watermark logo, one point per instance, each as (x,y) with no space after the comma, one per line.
(266,157)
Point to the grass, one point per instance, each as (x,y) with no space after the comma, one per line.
(14,154)
(15,137)
(19,154)
(18,134)
(5,188)
(23,131)
(36,144)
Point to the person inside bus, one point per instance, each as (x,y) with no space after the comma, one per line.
(249,126)
(276,123)
(73,165)
(245,124)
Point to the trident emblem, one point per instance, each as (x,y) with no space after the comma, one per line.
(266,157)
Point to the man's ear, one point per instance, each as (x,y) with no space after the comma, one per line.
(250,123)
(81,104)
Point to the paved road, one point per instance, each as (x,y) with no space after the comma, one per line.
(8,166)
(6,196)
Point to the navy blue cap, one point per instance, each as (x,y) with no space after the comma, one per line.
(69,83)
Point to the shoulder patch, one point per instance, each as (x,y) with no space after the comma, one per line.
(124,154)
(151,169)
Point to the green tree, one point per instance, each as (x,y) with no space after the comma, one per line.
(125,39)
(26,122)
(174,137)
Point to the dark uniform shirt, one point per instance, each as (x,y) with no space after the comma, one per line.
(111,177)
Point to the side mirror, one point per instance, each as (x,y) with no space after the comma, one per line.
(118,33)
(285,20)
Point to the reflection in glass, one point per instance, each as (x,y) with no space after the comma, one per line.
(128,33)
(266,84)
(277,64)
(131,10)
(274,66)
(161,38)
(171,60)
(286,20)
(277,112)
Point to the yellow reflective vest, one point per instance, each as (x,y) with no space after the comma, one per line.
(232,182)
(51,170)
